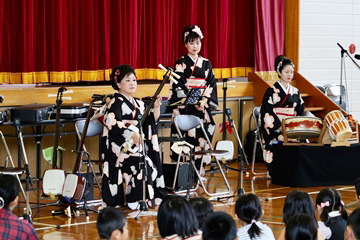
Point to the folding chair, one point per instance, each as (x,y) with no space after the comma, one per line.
(16,171)
(185,123)
(258,139)
(95,128)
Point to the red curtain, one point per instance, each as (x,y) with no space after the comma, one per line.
(269,33)
(74,40)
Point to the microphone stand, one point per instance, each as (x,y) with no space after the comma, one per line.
(143,167)
(342,68)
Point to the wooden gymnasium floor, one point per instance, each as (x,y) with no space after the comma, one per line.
(272,198)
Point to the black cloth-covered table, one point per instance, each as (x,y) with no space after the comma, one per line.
(309,166)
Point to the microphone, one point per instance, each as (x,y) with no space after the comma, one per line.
(357,56)
(341,47)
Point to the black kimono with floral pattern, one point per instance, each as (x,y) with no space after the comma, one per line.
(200,79)
(121,166)
(276,105)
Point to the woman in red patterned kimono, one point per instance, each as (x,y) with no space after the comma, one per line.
(198,81)
(122,148)
(280,101)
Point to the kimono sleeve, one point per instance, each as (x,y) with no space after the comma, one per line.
(211,90)
(178,91)
(118,133)
(300,107)
(269,120)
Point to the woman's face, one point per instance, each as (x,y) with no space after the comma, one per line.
(287,74)
(193,47)
(128,85)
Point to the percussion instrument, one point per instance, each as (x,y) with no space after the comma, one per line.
(339,127)
(303,127)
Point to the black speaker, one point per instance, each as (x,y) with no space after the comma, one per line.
(182,178)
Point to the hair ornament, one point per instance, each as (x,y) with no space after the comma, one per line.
(253,221)
(278,66)
(185,35)
(342,203)
(117,72)
(325,204)
(197,30)
(2,203)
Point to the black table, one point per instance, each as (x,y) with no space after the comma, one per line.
(309,166)
(38,131)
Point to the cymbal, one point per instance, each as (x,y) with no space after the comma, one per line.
(217,153)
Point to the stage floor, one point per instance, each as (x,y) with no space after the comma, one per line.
(272,197)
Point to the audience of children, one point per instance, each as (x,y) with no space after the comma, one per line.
(332,213)
(202,208)
(180,219)
(297,202)
(11,227)
(352,231)
(176,219)
(219,226)
(112,224)
(301,227)
(249,211)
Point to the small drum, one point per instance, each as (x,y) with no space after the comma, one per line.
(339,127)
(303,127)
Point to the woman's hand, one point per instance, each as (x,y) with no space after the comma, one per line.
(157,105)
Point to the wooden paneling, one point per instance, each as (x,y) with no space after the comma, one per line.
(292,22)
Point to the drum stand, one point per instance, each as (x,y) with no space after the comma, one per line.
(240,191)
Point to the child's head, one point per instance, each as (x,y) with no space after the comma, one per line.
(202,208)
(111,223)
(9,190)
(297,202)
(329,200)
(249,210)
(301,227)
(352,231)
(357,188)
(219,226)
(176,216)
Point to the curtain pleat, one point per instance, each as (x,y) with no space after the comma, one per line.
(81,40)
(269,35)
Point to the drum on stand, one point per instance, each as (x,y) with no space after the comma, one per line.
(338,126)
(303,127)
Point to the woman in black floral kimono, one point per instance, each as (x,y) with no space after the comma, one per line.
(121,146)
(280,101)
(197,79)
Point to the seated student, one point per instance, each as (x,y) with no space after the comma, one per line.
(297,202)
(176,219)
(202,208)
(111,223)
(357,188)
(332,213)
(352,231)
(11,227)
(249,211)
(219,226)
(301,227)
